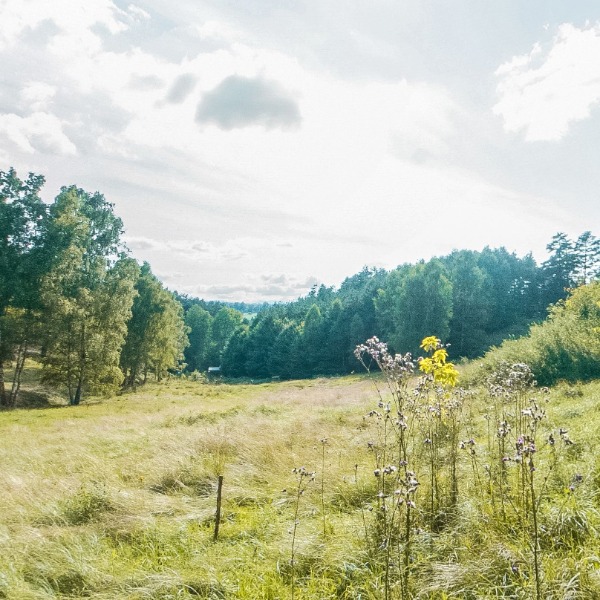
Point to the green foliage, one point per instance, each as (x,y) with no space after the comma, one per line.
(262,335)
(315,335)
(419,301)
(285,352)
(223,326)
(22,220)
(470,307)
(67,288)
(571,263)
(209,335)
(587,249)
(87,295)
(513,298)
(156,334)
(312,344)
(565,346)
(474,299)
(234,354)
(22,264)
(198,321)
(560,268)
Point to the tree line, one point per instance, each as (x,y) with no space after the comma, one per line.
(70,294)
(564,347)
(97,320)
(472,300)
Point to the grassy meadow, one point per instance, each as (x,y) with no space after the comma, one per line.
(116,499)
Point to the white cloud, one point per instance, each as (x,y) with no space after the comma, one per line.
(241,101)
(38,95)
(201,250)
(218,30)
(72,18)
(341,118)
(181,88)
(370,176)
(542,93)
(267,286)
(138,13)
(41,132)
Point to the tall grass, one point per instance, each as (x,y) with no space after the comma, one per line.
(116,499)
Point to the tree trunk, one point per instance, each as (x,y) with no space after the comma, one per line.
(77,397)
(3,397)
(19,365)
(79,390)
(130,377)
(133,377)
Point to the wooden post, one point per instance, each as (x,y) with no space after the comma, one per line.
(218,515)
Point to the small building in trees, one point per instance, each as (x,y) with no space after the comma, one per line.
(214,371)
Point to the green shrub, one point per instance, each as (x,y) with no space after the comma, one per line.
(564,347)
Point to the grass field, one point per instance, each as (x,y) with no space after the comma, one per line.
(116,499)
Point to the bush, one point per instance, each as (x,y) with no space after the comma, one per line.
(564,347)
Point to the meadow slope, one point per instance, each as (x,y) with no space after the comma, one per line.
(116,499)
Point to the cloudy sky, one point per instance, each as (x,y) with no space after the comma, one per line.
(256,148)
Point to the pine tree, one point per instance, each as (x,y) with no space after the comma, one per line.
(587,249)
(560,270)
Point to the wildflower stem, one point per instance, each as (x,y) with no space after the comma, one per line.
(323,444)
(534,516)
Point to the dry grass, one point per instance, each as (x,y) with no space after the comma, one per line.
(116,498)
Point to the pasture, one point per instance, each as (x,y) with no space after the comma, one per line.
(116,499)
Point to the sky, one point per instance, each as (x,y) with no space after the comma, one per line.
(255,149)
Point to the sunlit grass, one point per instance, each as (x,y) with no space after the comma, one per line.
(116,499)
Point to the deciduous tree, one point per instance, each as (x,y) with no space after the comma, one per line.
(22,222)
(87,294)
(156,332)
(199,322)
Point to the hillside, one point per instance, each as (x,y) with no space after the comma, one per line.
(116,499)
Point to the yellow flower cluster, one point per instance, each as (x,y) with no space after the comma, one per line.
(444,373)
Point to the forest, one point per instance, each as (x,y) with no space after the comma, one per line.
(72,297)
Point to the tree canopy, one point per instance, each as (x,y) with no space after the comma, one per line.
(70,294)
(98,320)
